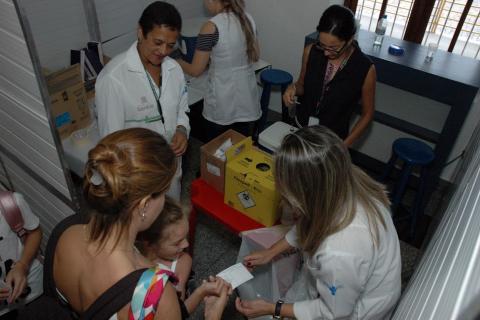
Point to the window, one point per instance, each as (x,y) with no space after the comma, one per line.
(454,25)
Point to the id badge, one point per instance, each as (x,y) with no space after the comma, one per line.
(313,121)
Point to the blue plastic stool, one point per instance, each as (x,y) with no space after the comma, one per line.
(269,78)
(413,153)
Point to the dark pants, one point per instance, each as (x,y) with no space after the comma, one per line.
(213,130)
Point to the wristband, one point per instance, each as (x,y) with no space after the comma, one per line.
(278,308)
(183,130)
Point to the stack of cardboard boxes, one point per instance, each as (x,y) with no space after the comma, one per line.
(69,102)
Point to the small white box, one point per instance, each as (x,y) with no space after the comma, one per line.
(272,137)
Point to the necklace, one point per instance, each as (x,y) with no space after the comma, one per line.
(330,74)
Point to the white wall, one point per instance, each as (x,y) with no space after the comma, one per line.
(282,27)
(120,18)
(57,26)
(61,25)
(446,280)
(27,145)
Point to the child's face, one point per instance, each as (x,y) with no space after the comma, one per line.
(174,240)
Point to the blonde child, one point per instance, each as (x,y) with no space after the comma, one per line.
(164,243)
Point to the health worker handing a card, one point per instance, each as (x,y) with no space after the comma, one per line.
(143,87)
(351,253)
(335,77)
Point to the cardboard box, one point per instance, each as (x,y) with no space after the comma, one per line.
(69,102)
(249,183)
(212,169)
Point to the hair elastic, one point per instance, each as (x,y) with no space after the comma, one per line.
(96,178)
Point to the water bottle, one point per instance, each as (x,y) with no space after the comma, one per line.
(380,30)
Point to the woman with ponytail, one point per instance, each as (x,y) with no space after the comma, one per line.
(228,42)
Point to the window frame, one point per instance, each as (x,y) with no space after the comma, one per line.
(419,17)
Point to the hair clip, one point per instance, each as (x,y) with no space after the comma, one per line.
(96,178)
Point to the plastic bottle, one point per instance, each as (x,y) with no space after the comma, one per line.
(380,30)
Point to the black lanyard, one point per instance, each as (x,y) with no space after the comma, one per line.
(157,97)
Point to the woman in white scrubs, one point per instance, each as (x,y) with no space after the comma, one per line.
(352,266)
(228,42)
(143,87)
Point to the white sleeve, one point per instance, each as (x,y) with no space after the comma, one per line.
(30,220)
(110,105)
(291,237)
(182,117)
(339,279)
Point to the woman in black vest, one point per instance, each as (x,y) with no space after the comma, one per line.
(335,77)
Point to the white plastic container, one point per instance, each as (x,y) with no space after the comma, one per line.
(272,137)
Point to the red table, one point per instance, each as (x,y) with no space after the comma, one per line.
(209,201)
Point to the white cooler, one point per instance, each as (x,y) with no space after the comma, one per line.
(272,137)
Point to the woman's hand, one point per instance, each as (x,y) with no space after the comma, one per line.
(214,305)
(289,96)
(254,308)
(17,280)
(257,258)
(179,143)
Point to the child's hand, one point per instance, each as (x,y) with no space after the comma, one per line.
(4,290)
(214,306)
(17,280)
(214,286)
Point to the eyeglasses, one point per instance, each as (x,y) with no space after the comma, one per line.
(321,46)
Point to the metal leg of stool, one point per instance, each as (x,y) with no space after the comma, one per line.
(417,209)
(389,167)
(285,116)
(400,187)
(264,102)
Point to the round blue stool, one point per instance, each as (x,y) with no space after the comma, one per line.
(413,153)
(269,78)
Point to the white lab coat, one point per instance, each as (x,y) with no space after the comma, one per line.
(348,277)
(232,92)
(124,99)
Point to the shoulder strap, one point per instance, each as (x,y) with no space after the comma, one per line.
(115,298)
(49,288)
(11,213)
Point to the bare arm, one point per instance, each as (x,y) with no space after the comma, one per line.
(31,246)
(213,287)
(368,107)
(168,307)
(200,58)
(17,277)
(183,269)
(297,88)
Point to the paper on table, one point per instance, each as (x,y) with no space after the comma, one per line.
(236,275)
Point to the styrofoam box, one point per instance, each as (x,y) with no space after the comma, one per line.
(272,137)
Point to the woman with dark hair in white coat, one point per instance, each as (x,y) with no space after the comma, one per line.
(144,87)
